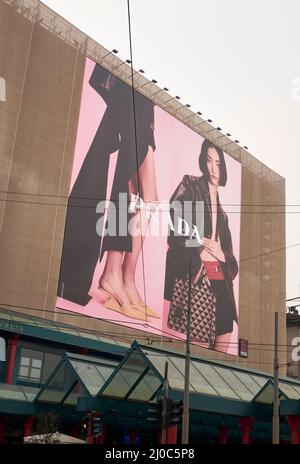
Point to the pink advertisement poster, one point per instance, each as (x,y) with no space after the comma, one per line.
(152,230)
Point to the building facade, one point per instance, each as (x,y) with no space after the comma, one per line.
(43,60)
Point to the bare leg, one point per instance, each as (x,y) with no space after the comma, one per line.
(112,275)
(147,184)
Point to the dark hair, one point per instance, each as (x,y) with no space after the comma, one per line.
(203,162)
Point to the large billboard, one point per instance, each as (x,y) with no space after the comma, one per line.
(152,230)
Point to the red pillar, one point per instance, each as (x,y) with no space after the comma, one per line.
(294,425)
(11,359)
(89,437)
(28,425)
(2,430)
(101,439)
(223,431)
(171,435)
(246,426)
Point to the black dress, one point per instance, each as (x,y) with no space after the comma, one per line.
(117,131)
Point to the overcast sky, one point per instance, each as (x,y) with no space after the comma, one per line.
(237,61)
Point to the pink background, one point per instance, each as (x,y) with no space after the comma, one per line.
(177,153)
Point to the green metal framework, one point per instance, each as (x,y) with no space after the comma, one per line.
(208,379)
(75,376)
(31,326)
(219,393)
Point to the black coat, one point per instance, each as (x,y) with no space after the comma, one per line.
(116,131)
(193,188)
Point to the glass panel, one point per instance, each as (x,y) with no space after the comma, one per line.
(260,380)
(146,388)
(46,325)
(74,394)
(266,396)
(216,380)
(158,362)
(101,361)
(200,383)
(111,341)
(288,391)
(176,379)
(58,386)
(11,392)
(239,388)
(36,363)
(25,361)
(24,372)
(250,382)
(126,376)
(89,375)
(51,360)
(27,353)
(125,345)
(5,316)
(179,365)
(30,364)
(88,335)
(297,388)
(105,371)
(30,392)
(68,331)
(20,319)
(35,373)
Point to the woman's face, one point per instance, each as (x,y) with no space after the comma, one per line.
(213,166)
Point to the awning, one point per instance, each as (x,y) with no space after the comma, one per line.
(75,376)
(32,326)
(140,375)
(17,399)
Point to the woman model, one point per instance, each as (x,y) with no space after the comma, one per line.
(215,254)
(127,126)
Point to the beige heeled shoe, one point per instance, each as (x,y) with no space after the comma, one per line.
(115,304)
(146,309)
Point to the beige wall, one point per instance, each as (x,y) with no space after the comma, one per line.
(38,129)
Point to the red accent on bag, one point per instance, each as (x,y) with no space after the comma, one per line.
(213,270)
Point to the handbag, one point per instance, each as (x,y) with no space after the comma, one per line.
(202,307)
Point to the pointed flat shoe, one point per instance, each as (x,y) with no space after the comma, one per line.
(146,309)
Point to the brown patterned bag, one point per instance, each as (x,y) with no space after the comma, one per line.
(203,309)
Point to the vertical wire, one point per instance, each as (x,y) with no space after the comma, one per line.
(136,149)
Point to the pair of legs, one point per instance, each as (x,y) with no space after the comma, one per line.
(120,267)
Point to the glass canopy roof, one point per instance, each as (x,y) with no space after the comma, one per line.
(75,376)
(17,392)
(19,318)
(288,391)
(140,375)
